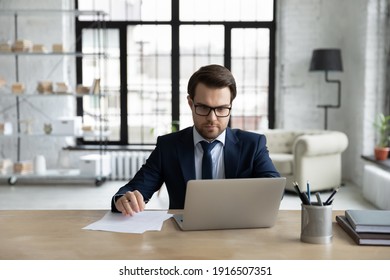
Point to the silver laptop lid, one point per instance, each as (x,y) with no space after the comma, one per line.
(232,203)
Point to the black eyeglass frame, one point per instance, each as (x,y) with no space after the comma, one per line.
(212,109)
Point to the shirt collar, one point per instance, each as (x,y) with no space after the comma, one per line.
(198,137)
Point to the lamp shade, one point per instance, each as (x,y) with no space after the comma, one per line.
(326,60)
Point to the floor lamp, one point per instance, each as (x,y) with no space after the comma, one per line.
(328,60)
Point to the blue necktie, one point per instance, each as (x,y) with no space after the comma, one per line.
(207,163)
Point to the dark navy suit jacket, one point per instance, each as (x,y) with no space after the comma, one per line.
(172,162)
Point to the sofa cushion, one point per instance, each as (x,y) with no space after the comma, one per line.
(279,141)
(283,163)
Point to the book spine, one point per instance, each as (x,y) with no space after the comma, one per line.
(348,229)
(372,229)
(351,220)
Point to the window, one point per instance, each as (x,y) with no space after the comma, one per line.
(250,61)
(154,46)
(199,45)
(149,96)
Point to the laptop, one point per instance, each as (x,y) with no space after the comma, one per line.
(231,203)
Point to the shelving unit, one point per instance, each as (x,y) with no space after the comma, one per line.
(24,98)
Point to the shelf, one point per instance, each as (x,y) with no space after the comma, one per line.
(65,56)
(30,12)
(87,134)
(46,95)
(53,176)
(48,173)
(76,54)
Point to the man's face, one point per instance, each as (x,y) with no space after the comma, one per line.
(211,126)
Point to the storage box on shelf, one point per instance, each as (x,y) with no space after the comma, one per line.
(95,165)
(67,126)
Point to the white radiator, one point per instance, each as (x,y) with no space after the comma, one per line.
(376,186)
(124,165)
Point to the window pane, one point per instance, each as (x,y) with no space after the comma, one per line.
(226,10)
(128,10)
(250,66)
(199,45)
(149,82)
(102,112)
(155,9)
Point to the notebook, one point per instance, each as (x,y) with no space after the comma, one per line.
(363,238)
(231,203)
(369,220)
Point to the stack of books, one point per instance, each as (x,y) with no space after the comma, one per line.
(22,46)
(45,87)
(58,48)
(17,88)
(39,48)
(366,227)
(23,167)
(5,47)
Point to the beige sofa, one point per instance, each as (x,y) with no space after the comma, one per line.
(310,155)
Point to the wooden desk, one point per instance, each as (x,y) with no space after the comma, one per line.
(59,235)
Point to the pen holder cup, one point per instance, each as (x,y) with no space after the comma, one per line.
(316,224)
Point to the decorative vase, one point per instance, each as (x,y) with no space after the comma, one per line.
(39,165)
(47,128)
(381,153)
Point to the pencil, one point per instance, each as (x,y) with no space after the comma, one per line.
(327,202)
(302,196)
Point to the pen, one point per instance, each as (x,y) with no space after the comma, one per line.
(302,196)
(318,195)
(308,191)
(306,198)
(328,201)
(299,193)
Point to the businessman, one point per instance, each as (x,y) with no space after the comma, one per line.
(207,150)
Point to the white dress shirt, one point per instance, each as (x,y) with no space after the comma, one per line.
(216,155)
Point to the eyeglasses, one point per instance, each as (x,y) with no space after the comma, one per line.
(203,110)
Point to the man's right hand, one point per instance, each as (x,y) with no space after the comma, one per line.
(130,203)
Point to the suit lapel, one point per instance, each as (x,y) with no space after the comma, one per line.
(186,154)
(231,154)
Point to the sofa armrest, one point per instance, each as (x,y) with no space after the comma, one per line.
(320,144)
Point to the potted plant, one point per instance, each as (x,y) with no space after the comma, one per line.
(382,124)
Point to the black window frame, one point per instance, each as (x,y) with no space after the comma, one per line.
(175,24)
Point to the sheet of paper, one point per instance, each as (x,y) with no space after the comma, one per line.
(139,223)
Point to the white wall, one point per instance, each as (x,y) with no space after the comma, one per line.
(357,27)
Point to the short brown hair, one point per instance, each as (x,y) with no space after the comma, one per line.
(215,76)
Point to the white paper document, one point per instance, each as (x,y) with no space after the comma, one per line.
(139,223)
